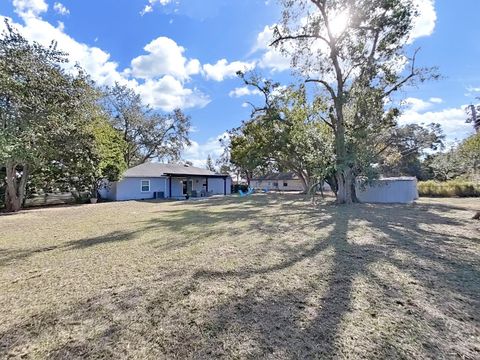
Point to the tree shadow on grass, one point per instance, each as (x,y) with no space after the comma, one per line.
(275,326)
(9,256)
(299,306)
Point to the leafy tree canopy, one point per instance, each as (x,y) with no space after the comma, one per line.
(148,135)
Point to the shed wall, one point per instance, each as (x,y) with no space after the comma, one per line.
(389,191)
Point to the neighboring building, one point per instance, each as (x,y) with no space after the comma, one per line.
(155,180)
(279,181)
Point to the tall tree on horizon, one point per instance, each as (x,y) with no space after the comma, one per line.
(44,113)
(210,165)
(353,51)
(148,134)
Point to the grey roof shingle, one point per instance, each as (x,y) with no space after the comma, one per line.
(159,170)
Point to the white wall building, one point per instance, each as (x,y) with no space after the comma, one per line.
(155,180)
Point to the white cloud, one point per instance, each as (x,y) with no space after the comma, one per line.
(60,25)
(452,120)
(169,93)
(93,59)
(274,60)
(416,105)
(149,7)
(30,8)
(243,91)
(164,57)
(166,92)
(271,58)
(61,9)
(473,89)
(424,23)
(198,153)
(436,100)
(223,69)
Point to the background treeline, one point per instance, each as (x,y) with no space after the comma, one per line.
(453,173)
(289,134)
(60,132)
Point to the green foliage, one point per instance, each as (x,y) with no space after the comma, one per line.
(452,188)
(460,161)
(356,68)
(54,134)
(43,113)
(210,166)
(285,135)
(448,165)
(2,187)
(406,146)
(147,134)
(109,146)
(470,151)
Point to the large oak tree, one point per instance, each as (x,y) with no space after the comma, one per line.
(148,134)
(44,113)
(355,51)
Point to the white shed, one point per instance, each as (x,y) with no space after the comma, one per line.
(402,190)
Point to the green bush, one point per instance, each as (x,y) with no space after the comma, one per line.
(452,188)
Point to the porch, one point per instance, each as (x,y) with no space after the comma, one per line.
(181,186)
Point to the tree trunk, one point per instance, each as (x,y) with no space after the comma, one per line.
(344,176)
(354,191)
(344,179)
(15,191)
(304,181)
(248,176)
(332,182)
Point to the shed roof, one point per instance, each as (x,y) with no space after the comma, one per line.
(160,170)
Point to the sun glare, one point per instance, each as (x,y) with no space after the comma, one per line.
(339,23)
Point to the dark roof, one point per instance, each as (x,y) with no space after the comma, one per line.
(277,176)
(160,170)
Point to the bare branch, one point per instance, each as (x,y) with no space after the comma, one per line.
(325,84)
(297,37)
(412,74)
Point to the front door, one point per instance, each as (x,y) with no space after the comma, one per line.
(187,187)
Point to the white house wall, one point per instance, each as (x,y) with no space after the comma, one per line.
(292,185)
(216,186)
(131,188)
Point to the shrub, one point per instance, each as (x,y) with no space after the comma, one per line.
(452,188)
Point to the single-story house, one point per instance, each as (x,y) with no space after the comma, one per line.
(156,181)
(286,181)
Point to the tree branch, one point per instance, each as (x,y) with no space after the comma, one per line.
(325,84)
(407,78)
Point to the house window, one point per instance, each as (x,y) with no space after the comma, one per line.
(145,185)
(285,183)
(275,184)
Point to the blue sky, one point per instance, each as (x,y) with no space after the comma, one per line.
(185,53)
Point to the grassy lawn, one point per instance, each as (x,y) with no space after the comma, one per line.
(267,276)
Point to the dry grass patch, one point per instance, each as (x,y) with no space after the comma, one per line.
(266,276)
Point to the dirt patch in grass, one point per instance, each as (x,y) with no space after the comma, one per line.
(267,276)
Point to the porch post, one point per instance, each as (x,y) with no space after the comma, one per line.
(170,186)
